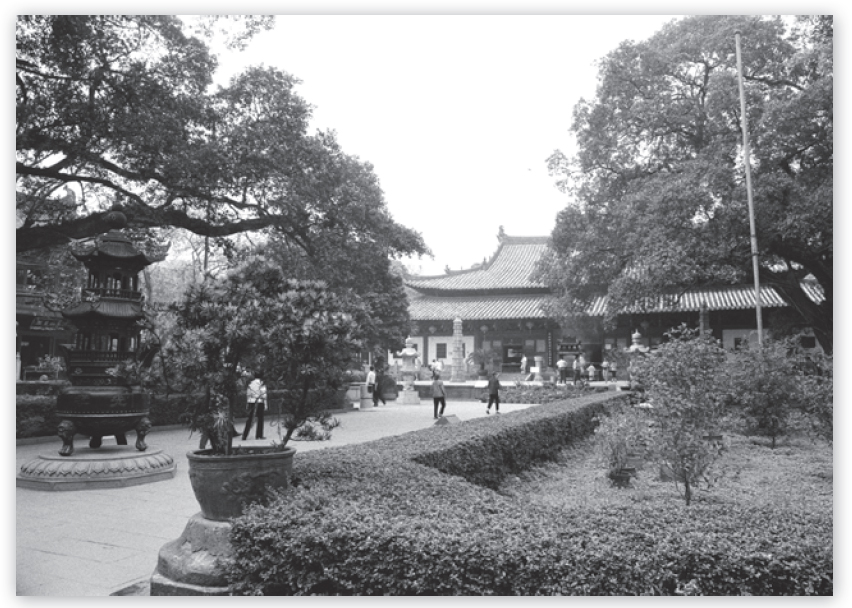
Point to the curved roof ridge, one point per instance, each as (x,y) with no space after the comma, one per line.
(508,269)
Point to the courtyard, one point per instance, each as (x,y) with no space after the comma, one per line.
(100,542)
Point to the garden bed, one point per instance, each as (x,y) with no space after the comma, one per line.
(417,515)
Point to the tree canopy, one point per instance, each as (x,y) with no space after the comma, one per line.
(659,202)
(122,108)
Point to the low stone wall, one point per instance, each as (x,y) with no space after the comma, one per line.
(459,391)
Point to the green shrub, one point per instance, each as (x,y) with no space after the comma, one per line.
(515,392)
(766,387)
(370,519)
(681,380)
(35,416)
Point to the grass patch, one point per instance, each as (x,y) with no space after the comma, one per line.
(798,474)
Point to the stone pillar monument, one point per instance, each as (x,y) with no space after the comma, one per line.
(459,368)
(409,356)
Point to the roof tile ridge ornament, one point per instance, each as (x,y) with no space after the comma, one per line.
(503,239)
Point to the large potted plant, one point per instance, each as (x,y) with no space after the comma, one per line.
(297,334)
(481,357)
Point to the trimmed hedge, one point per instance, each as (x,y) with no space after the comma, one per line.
(546,393)
(384,518)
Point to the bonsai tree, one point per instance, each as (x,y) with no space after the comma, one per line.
(299,335)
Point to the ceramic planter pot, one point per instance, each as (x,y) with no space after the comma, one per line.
(223,485)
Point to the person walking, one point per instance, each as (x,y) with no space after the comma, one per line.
(439,395)
(371,385)
(377,390)
(256,405)
(493,394)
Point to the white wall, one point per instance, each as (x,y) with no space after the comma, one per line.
(730,336)
(426,358)
(448,340)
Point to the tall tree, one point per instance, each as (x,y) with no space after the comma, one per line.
(122,107)
(659,198)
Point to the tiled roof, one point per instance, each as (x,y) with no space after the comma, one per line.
(509,269)
(487,292)
(731,297)
(724,297)
(435,308)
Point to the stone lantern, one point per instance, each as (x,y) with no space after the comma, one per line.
(105,397)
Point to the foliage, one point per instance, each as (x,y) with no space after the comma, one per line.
(369,520)
(386,384)
(681,380)
(52,364)
(35,416)
(547,392)
(358,267)
(766,387)
(122,108)
(659,199)
(297,335)
(483,358)
(620,435)
(817,390)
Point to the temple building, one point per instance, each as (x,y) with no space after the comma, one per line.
(39,330)
(502,311)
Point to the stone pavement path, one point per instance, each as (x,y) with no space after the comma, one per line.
(97,542)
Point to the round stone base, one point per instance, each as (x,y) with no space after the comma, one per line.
(106,467)
(191,564)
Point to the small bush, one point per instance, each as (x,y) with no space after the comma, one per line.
(35,416)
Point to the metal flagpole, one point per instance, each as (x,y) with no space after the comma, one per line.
(747,163)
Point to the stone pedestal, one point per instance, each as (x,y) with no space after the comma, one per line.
(409,395)
(189,565)
(115,466)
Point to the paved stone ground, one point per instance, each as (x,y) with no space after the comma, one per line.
(99,542)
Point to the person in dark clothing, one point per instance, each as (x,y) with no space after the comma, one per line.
(439,395)
(377,389)
(493,394)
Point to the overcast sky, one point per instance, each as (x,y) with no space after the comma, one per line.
(457,113)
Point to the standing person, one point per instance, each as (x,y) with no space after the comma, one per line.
(577,370)
(605,371)
(613,369)
(493,394)
(439,394)
(592,370)
(562,366)
(371,385)
(377,390)
(256,405)
(439,366)
(524,366)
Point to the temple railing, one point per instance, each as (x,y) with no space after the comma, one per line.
(106,292)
